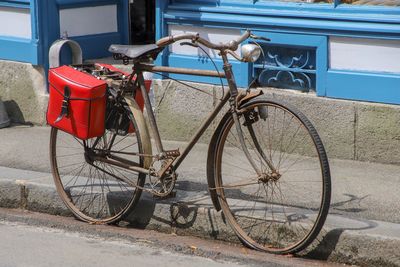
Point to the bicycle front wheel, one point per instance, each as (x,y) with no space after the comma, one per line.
(94,190)
(281,207)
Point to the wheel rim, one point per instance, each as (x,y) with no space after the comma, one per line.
(280,213)
(89,187)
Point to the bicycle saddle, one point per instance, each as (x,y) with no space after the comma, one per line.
(132,51)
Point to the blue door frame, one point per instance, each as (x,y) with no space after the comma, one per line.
(45,26)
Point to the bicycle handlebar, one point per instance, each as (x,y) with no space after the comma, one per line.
(231,45)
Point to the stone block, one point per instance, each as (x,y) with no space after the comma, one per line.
(378,133)
(23,90)
(333,119)
(180,110)
(10,194)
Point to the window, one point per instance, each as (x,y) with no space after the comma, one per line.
(287,67)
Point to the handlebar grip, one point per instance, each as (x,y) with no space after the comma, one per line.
(174,38)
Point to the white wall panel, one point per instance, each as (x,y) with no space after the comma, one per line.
(89,20)
(211,34)
(364,54)
(15,22)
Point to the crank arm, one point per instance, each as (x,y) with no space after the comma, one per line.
(162,171)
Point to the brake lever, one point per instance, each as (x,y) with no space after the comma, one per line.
(260,38)
(190,44)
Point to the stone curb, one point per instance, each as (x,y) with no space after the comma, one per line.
(376,244)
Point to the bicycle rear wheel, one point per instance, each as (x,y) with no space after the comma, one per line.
(96,191)
(282,209)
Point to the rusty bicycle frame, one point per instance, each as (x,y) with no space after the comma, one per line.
(232,96)
(261,216)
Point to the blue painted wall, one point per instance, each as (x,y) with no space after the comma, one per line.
(298,25)
(21,49)
(45,21)
(302,26)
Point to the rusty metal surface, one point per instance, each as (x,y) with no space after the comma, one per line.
(246,96)
(195,38)
(152,68)
(161,172)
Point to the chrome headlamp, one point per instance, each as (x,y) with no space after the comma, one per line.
(250,52)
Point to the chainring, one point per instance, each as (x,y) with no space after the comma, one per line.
(162,186)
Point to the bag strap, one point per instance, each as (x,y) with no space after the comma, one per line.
(76,98)
(65,103)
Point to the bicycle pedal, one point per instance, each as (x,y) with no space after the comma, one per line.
(170,195)
(172,153)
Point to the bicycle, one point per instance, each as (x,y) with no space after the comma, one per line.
(267,169)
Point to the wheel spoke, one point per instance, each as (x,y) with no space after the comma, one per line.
(282,210)
(96,191)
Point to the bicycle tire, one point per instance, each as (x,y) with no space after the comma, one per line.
(91,190)
(289,221)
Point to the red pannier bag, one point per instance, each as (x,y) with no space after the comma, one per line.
(77,102)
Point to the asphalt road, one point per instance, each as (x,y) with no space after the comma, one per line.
(24,245)
(33,239)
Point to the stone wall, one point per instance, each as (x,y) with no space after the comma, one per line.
(23,91)
(349,129)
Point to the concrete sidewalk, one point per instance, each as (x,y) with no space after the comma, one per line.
(363,226)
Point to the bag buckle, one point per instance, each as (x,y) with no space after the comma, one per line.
(65,103)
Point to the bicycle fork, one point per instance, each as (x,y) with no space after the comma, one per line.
(232,102)
(233,105)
